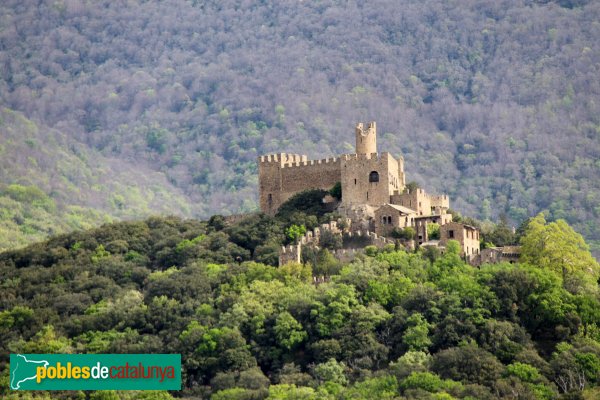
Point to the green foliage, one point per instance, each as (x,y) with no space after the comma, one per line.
(524,372)
(336,191)
(412,186)
(288,331)
(309,202)
(99,254)
(411,361)
(294,232)
(416,335)
(388,324)
(186,244)
(557,247)
(291,392)
(433,230)
(407,233)
(423,380)
(330,371)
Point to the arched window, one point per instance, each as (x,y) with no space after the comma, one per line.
(374,176)
(389,219)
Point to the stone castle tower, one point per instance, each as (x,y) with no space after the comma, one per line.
(373,193)
(366,140)
(367,177)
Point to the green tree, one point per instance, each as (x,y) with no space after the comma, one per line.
(557,247)
(336,190)
(411,361)
(330,371)
(416,335)
(411,187)
(294,232)
(433,231)
(289,331)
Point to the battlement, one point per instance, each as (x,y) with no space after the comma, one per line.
(366,176)
(307,163)
(347,255)
(289,249)
(283,158)
(373,238)
(360,127)
(290,253)
(364,157)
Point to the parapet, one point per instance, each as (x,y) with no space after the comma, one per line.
(289,253)
(283,158)
(304,162)
(369,156)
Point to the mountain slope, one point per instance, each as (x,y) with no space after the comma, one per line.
(54,184)
(494,102)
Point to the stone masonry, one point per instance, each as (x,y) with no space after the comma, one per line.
(374,193)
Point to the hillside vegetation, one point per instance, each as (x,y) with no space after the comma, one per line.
(494,102)
(389,325)
(55,184)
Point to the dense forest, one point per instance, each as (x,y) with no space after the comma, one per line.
(166,105)
(392,324)
(50,184)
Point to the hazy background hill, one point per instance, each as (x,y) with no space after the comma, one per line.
(494,102)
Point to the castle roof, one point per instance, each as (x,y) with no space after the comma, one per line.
(404,210)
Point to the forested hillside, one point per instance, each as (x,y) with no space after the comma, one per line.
(389,325)
(494,102)
(50,183)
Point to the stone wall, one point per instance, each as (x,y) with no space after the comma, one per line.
(292,253)
(280,176)
(347,255)
(313,174)
(466,235)
(421,202)
(370,238)
(357,186)
(289,254)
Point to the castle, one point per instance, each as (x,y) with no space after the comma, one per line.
(374,193)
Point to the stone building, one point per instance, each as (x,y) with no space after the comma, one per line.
(494,255)
(390,216)
(367,177)
(466,235)
(421,222)
(374,193)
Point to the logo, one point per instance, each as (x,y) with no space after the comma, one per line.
(95,371)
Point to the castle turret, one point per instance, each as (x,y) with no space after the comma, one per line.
(366,139)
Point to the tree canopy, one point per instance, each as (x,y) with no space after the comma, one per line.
(391,324)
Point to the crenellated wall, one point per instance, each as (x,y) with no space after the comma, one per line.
(290,253)
(280,176)
(313,174)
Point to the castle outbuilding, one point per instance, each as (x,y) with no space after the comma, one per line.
(373,188)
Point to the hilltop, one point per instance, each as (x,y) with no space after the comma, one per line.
(389,325)
(492,102)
